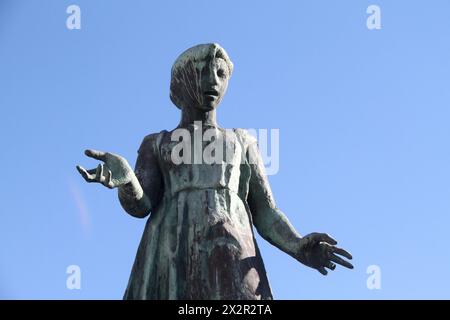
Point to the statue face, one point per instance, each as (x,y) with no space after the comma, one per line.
(201,84)
(213,83)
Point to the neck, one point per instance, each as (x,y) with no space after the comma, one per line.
(205,117)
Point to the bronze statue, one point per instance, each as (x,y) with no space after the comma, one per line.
(198,242)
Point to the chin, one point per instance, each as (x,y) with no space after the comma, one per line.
(208,107)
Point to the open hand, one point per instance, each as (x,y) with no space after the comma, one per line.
(318,251)
(114,172)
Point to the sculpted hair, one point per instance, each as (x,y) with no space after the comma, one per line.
(184,75)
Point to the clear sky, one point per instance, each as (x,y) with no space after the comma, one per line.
(363,118)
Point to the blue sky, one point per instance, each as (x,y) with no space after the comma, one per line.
(363,118)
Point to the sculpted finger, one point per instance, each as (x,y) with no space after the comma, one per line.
(325,238)
(342,252)
(322,271)
(330,265)
(85,174)
(99,155)
(341,261)
(99,173)
(108,179)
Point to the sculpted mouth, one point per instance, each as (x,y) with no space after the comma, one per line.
(211,93)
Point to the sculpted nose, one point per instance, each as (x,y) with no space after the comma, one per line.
(212,77)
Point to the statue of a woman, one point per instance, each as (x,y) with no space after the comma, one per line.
(199,241)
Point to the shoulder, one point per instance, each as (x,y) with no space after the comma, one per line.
(151,140)
(245,137)
(250,145)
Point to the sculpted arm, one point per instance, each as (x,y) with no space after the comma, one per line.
(139,191)
(316,250)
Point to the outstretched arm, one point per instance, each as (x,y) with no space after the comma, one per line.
(315,250)
(138,190)
(141,195)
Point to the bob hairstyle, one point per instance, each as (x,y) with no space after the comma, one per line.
(182,68)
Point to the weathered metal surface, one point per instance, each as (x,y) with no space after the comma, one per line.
(198,242)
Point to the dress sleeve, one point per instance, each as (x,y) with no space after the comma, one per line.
(148,171)
(260,193)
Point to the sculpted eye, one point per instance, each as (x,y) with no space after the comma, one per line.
(221,73)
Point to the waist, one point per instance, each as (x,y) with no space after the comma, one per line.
(176,192)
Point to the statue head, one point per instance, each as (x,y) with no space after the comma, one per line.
(200,77)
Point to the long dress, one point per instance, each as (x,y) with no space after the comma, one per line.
(198,242)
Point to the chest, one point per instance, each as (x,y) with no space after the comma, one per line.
(195,147)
